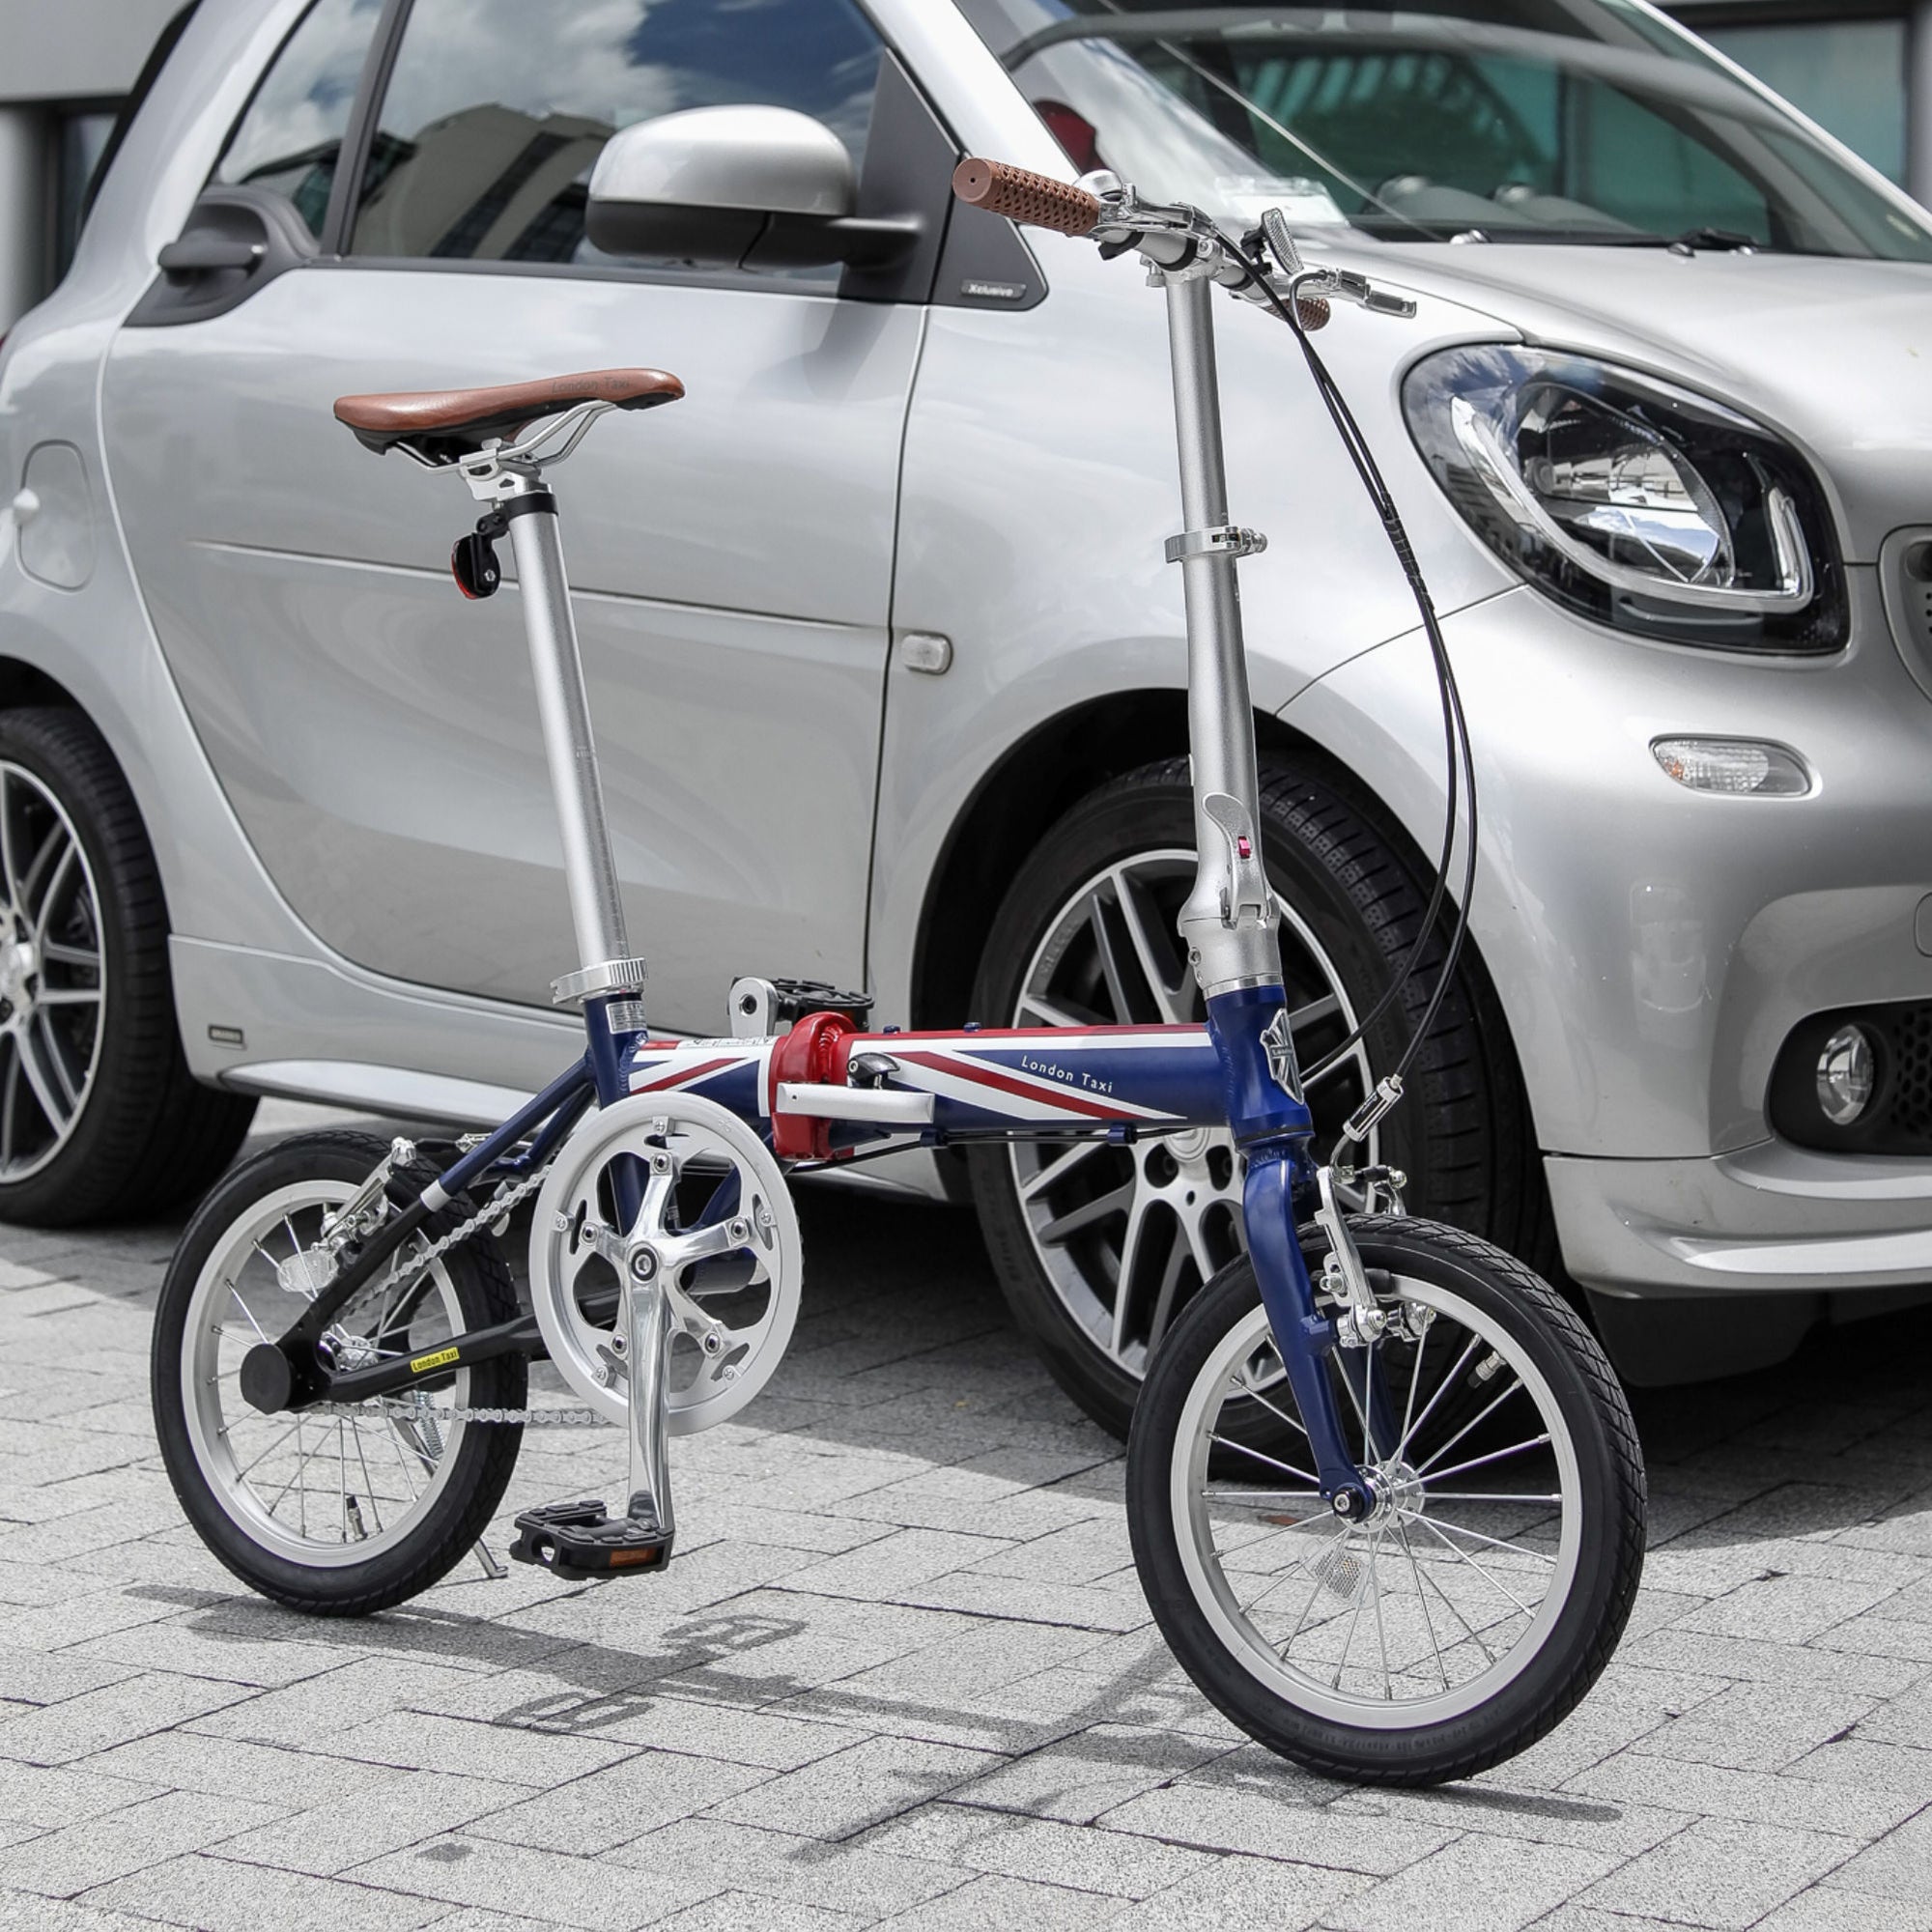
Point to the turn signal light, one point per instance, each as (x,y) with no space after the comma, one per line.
(1739,766)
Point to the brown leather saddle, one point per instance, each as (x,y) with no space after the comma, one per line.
(442,425)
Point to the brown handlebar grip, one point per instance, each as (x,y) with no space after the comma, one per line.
(1312,312)
(1037,200)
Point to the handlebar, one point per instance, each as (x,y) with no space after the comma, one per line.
(1036,200)
(1170,237)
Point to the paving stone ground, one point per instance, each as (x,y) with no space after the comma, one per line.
(901,1672)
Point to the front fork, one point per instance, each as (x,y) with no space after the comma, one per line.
(1283,1189)
(1230,925)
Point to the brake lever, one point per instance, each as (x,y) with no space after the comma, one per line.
(1301,280)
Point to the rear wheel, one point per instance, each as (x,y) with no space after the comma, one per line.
(1480,1598)
(99,1117)
(359,1506)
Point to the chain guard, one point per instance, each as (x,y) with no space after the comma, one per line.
(743,1295)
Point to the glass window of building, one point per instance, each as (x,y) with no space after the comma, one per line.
(1847,75)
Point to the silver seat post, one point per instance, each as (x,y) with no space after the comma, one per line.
(563,706)
(597,913)
(1229,921)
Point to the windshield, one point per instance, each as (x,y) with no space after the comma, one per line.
(1578,121)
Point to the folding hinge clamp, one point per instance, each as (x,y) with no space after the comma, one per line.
(1223,540)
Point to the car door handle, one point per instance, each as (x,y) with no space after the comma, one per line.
(203,254)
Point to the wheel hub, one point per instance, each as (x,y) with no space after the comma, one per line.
(1399,1495)
(19,971)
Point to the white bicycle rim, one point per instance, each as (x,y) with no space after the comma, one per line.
(244,1456)
(1330,1558)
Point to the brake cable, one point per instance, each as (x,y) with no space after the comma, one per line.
(1459,754)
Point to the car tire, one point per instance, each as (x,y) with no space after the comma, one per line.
(1352,901)
(99,1116)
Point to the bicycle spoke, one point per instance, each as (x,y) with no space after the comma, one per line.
(1442,1388)
(248,1311)
(1463,1556)
(1485,1496)
(1480,1415)
(1494,1456)
(1408,1406)
(1449,1603)
(1256,1498)
(1347,1645)
(1254,1394)
(1494,1542)
(271,1449)
(368,1484)
(1361,1411)
(1381,1629)
(1422,1600)
(1274,1463)
(1283,1648)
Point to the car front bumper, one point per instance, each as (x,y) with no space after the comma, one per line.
(1653,947)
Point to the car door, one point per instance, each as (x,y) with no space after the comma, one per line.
(731,555)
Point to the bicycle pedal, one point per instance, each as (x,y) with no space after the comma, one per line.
(582,1540)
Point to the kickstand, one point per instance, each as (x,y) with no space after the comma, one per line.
(491,1569)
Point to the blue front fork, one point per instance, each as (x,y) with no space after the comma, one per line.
(1272,1127)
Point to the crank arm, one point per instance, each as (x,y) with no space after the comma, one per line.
(686,1314)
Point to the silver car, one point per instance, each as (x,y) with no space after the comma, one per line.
(886,663)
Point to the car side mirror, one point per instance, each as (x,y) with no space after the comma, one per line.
(752,187)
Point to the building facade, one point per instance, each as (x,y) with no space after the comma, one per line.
(65,66)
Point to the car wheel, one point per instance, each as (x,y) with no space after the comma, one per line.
(1100,1246)
(99,1117)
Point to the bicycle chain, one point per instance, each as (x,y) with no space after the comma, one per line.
(495,1209)
(530,1418)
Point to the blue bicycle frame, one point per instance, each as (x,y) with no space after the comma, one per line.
(827,1093)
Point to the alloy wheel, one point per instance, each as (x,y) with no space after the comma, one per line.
(53,982)
(1126,1234)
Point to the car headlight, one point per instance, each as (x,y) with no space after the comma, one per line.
(1637,503)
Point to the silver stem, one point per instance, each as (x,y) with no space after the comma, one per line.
(1229,921)
(590,869)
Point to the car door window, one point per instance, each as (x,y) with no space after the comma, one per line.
(496,110)
(289,138)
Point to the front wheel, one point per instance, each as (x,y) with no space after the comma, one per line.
(1471,1610)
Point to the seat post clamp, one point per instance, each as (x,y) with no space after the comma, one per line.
(1223,540)
(607,976)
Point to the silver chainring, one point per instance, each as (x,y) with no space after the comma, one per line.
(732,1277)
